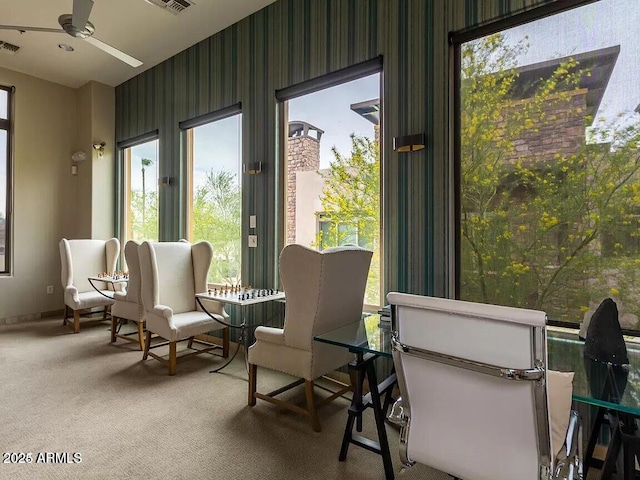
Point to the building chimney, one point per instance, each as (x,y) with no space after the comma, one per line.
(303,155)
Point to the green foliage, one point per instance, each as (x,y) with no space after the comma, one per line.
(217,219)
(351,204)
(143,218)
(533,226)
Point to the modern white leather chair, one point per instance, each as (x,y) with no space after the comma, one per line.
(324,291)
(128,304)
(172,273)
(476,394)
(81,259)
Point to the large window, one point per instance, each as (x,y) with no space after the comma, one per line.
(549,161)
(140,216)
(5,179)
(332,170)
(215,194)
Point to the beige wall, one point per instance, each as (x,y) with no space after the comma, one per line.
(45,135)
(96,123)
(52,122)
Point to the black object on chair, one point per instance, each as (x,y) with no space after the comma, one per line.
(605,357)
(604,342)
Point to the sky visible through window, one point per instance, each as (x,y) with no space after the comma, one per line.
(329,110)
(217,147)
(3,172)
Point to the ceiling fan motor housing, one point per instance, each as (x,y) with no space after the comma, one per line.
(65,22)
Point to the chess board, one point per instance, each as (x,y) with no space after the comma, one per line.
(242,296)
(111,277)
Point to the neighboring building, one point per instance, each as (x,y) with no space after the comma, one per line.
(305,178)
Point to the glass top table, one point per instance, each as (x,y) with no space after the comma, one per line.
(372,335)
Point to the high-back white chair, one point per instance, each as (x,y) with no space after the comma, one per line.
(81,259)
(128,304)
(475,388)
(172,273)
(324,291)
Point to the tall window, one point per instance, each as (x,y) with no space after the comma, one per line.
(5,179)
(332,170)
(549,162)
(141,192)
(215,198)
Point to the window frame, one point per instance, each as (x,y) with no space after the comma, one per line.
(186,141)
(124,173)
(8,126)
(456,40)
(282,97)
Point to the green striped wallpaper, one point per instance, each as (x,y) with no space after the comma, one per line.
(289,42)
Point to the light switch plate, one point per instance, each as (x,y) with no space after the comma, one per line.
(253,241)
(252,221)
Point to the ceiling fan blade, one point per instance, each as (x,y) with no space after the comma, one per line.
(31,29)
(81,12)
(113,51)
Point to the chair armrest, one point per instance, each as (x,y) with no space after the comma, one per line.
(73,291)
(214,307)
(568,464)
(120,296)
(270,334)
(163,311)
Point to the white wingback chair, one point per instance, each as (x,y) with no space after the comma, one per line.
(128,304)
(81,259)
(172,273)
(324,291)
(477,401)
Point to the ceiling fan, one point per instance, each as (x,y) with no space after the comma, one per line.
(78,25)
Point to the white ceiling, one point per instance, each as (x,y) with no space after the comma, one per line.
(136,27)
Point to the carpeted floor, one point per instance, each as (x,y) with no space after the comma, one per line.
(129,420)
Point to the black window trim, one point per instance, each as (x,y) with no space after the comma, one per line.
(7,125)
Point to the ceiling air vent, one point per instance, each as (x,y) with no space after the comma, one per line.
(172,6)
(8,48)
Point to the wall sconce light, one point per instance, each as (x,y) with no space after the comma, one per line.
(99,147)
(164,181)
(409,143)
(252,168)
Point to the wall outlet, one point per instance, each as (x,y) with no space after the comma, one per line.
(253,241)
(49,289)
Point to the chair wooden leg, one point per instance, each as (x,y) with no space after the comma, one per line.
(104,313)
(147,345)
(76,321)
(311,406)
(225,344)
(253,380)
(190,342)
(172,358)
(66,314)
(114,325)
(141,334)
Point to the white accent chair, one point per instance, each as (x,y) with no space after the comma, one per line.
(172,273)
(477,401)
(324,291)
(128,304)
(81,259)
